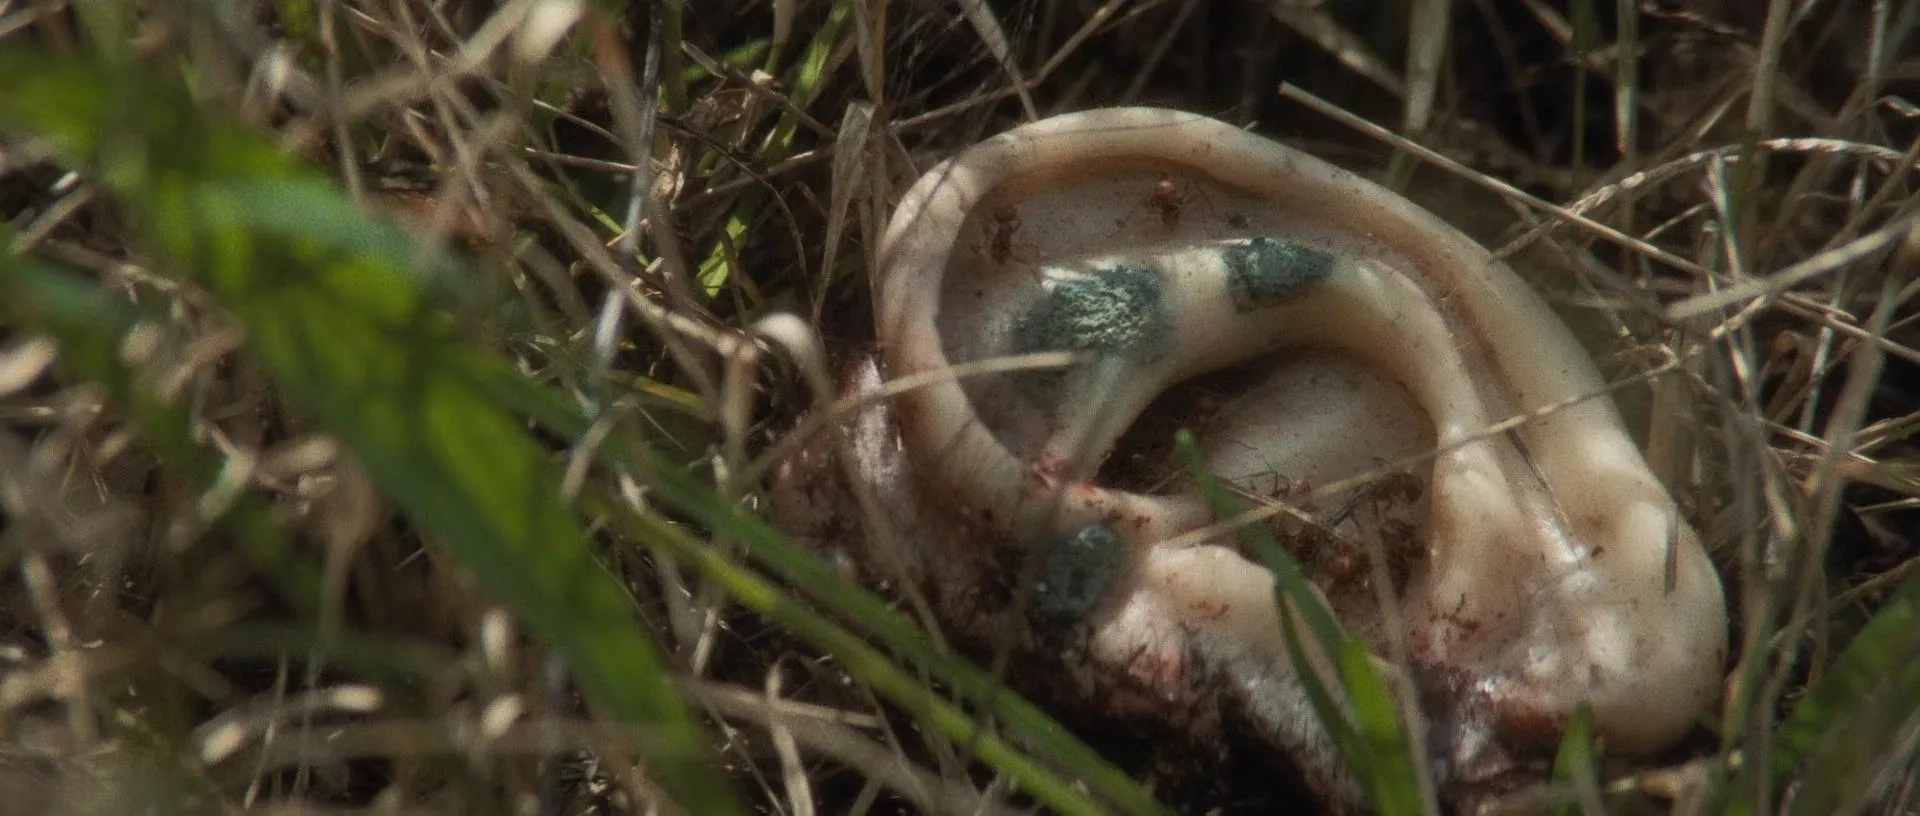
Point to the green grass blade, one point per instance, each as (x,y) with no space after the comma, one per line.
(672,486)
(811,78)
(1396,786)
(331,309)
(1851,721)
(1371,739)
(1577,764)
(879,672)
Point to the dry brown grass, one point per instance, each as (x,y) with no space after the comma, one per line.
(1724,190)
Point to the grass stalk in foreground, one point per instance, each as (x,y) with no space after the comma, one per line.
(353,336)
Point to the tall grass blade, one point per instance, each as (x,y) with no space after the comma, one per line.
(353,336)
(674,487)
(1860,717)
(1371,738)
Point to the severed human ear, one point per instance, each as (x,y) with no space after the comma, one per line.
(1308,327)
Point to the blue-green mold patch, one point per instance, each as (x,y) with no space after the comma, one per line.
(1266,271)
(1075,573)
(1119,310)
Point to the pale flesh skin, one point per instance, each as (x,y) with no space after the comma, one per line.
(1547,566)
